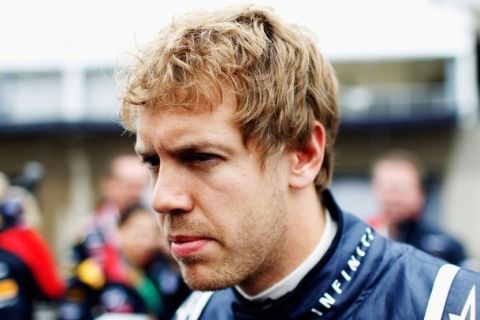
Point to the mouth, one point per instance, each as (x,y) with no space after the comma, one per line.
(184,246)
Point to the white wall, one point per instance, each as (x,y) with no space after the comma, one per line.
(461,201)
(48,33)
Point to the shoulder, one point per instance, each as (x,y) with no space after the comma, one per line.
(419,284)
(453,293)
(440,288)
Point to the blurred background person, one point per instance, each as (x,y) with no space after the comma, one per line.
(24,187)
(153,271)
(31,213)
(398,181)
(28,273)
(95,258)
(122,186)
(150,283)
(125,182)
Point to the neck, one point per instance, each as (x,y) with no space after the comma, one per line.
(305,224)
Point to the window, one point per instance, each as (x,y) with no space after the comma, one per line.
(101,96)
(30,97)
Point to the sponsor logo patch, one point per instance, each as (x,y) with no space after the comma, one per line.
(8,289)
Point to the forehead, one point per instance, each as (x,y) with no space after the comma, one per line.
(128,167)
(168,127)
(396,172)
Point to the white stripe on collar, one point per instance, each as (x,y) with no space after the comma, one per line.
(291,281)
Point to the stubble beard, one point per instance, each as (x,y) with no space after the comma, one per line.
(270,250)
(226,269)
(251,261)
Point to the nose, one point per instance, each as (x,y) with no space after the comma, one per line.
(171,193)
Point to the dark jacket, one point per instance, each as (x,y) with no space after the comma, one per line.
(27,273)
(428,238)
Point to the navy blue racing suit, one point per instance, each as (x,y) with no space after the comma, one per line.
(361,276)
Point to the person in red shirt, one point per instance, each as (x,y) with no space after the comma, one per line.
(27,267)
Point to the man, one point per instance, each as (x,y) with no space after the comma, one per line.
(398,187)
(125,182)
(236,115)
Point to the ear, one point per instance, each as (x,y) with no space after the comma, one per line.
(306,162)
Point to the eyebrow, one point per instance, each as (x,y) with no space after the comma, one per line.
(197,146)
(189,147)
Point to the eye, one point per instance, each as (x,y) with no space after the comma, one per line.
(151,162)
(199,158)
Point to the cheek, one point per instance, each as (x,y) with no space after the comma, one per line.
(224,196)
(247,217)
(228,212)
(146,246)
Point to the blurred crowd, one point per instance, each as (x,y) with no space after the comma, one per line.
(120,262)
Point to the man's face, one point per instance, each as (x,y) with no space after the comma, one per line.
(127,183)
(398,191)
(223,212)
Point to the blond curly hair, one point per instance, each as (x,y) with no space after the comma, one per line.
(281,81)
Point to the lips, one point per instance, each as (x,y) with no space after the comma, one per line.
(184,246)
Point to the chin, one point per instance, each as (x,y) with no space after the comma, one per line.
(204,278)
(207,284)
